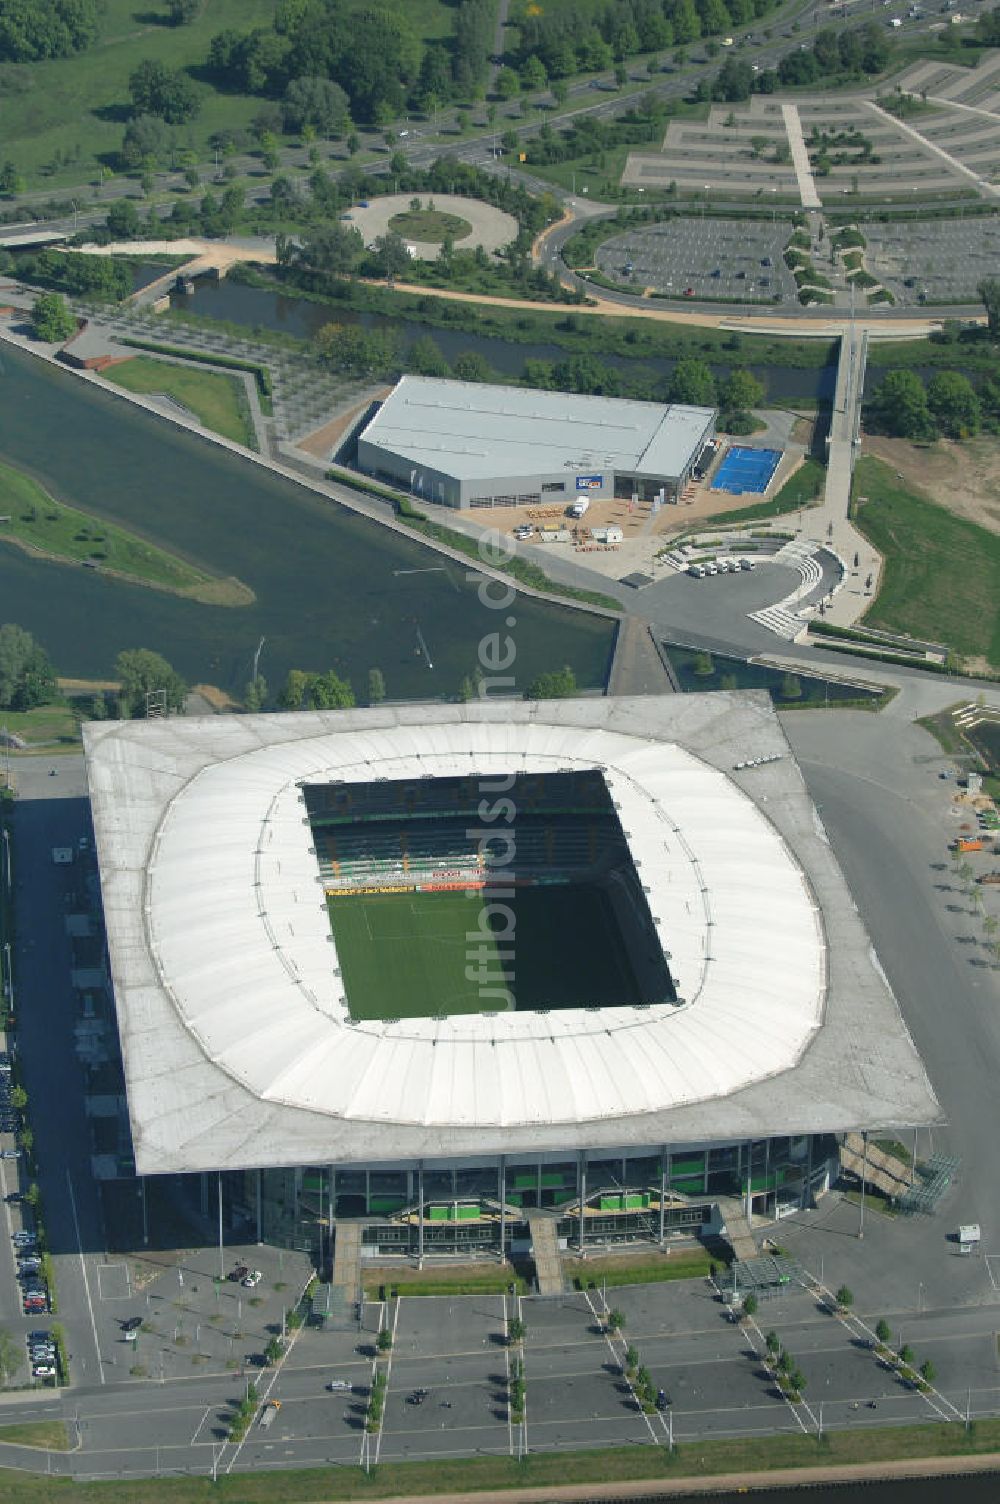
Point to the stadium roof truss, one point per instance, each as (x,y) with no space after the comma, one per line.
(239,1049)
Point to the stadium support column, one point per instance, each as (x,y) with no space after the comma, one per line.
(581,1185)
(260,1237)
(664,1177)
(749,1196)
(420,1215)
(222,1251)
(502,1193)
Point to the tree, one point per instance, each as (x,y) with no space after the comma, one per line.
(901,406)
(844,1297)
(883,1331)
(317,102)
(31,30)
(533,74)
(158,90)
(691,381)
(954,404)
(426,359)
(507,83)
(147,138)
(559,684)
(471,366)
(928,1372)
(51,319)
(11,181)
(616,1320)
(292,695)
(123,220)
(376,686)
(631,1359)
(336,249)
(773,1343)
(516,1329)
(11,1356)
(27,678)
(740,391)
(906,1354)
(19,1098)
(142,673)
(182,12)
(989,292)
(750,1305)
(391,255)
(255,694)
(384,1340)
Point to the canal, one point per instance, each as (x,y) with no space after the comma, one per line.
(333,590)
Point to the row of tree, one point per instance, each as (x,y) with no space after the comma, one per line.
(909,407)
(31,30)
(590,35)
(834,57)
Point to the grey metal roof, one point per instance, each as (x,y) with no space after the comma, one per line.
(236,1049)
(474,431)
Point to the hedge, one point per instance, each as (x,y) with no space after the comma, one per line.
(202,357)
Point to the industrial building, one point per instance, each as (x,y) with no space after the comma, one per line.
(465,445)
(759,1032)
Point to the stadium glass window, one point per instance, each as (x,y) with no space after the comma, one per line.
(505,501)
(481,501)
(529,501)
(554,485)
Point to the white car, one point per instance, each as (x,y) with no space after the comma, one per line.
(252,1279)
(43,1371)
(338,1384)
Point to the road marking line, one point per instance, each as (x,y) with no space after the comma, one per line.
(988,1259)
(204,1418)
(86,1281)
(388,1379)
(614,1354)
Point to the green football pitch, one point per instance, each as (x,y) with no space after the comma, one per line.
(404,955)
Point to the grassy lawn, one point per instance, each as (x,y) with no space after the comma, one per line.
(37,521)
(430,225)
(694,1264)
(477,1474)
(49,723)
(51,1434)
(77,106)
(218,401)
(942,574)
(495,1282)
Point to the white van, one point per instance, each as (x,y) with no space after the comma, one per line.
(711,568)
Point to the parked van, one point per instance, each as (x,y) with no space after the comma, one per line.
(711,568)
(748,564)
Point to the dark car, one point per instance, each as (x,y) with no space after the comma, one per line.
(417,1397)
(132,1324)
(239,1273)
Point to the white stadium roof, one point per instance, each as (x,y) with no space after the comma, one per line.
(238,1046)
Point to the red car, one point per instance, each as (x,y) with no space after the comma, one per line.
(689,292)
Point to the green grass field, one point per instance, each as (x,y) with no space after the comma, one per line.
(942,574)
(77,106)
(218,401)
(404,955)
(433,226)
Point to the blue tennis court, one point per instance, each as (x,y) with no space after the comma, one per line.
(745,469)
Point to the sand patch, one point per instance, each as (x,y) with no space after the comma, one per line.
(964,478)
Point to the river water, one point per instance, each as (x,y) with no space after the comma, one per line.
(333,590)
(266,309)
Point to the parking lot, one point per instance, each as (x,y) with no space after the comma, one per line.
(731,259)
(939,261)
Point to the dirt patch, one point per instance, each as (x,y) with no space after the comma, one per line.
(963,478)
(216,697)
(324,441)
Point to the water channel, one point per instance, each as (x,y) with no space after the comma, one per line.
(301,317)
(333,590)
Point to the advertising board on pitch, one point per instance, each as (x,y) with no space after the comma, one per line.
(589,482)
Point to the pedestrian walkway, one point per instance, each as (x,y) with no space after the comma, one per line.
(985,188)
(808,194)
(545,1250)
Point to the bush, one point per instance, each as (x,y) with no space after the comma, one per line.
(845,1297)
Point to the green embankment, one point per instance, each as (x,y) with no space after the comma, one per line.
(216,400)
(941,580)
(32,519)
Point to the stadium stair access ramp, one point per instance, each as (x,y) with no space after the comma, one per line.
(545,1251)
(884,1171)
(347,1264)
(737,1230)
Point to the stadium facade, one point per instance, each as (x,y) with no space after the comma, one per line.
(466,445)
(746,1029)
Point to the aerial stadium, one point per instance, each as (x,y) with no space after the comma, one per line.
(447,973)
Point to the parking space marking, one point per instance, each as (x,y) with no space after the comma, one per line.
(112,1275)
(204,1418)
(388,1379)
(611,1348)
(83,1270)
(988,1259)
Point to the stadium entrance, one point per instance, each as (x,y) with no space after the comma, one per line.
(470,895)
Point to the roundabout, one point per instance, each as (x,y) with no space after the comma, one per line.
(425,222)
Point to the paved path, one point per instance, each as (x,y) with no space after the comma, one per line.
(985,188)
(800,157)
(491,228)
